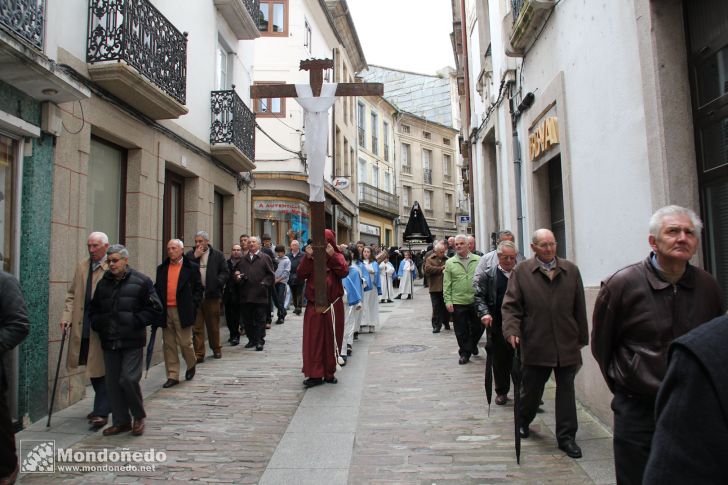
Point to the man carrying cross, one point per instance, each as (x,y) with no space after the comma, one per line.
(324,266)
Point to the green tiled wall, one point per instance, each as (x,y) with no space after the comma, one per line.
(35,227)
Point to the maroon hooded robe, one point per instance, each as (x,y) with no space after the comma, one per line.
(318,336)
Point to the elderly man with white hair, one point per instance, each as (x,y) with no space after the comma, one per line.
(459,296)
(639,311)
(84,346)
(180,291)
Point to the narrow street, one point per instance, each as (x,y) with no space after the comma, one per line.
(403,412)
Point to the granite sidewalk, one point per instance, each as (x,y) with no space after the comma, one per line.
(403,412)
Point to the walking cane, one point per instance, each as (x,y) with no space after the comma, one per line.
(55,381)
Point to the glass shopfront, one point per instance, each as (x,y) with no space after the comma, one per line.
(283,220)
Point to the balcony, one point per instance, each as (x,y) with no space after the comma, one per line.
(362,138)
(427,175)
(407,169)
(242,16)
(375,145)
(524,23)
(24,18)
(23,64)
(135,53)
(232,132)
(386,152)
(376,200)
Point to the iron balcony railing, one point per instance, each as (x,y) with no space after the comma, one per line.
(375,145)
(253,8)
(428,176)
(362,138)
(136,32)
(25,19)
(232,122)
(386,152)
(378,197)
(516,6)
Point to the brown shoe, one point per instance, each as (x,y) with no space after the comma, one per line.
(114,430)
(98,422)
(217,355)
(170,383)
(138,428)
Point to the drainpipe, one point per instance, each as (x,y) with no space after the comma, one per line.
(517,158)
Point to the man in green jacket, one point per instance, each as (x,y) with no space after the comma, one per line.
(459,295)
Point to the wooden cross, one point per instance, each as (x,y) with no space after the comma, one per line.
(315,68)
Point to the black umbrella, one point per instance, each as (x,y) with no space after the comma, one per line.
(150,348)
(488,368)
(516,376)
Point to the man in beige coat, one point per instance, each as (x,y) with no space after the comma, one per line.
(84,346)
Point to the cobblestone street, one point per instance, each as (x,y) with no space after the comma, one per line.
(403,412)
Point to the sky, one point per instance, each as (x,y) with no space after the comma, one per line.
(411,35)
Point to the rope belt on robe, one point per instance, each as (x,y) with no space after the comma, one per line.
(339,360)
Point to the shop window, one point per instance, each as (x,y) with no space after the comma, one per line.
(273,18)
(106,190)
(284,220)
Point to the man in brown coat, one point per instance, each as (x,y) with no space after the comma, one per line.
(434,266)
(84,346)
(544,311)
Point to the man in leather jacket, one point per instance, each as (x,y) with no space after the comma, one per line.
(490,288)
(640,309)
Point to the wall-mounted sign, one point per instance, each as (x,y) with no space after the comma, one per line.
(464,219)
(543,137)
(341,183)
(280,206)
(369,229)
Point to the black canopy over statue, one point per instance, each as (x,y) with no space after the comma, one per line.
(417,229)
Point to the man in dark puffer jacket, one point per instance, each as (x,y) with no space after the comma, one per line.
(124,303)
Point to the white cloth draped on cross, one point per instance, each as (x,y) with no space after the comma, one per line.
(316,118)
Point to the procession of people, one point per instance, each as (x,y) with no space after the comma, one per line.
(529,316)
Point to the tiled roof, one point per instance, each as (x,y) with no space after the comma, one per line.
(424,96)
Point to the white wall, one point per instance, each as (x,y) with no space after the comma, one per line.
(277,59)
(604,113)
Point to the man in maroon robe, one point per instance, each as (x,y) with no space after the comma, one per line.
(319,358)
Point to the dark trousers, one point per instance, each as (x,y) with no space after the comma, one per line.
(502,354)
(8,457)
(532,383)
(254,316)
(280,300)
(232,318)
(101,397)
(123,373)
(634,425)
(468,329)
(439,310)
(271,305)
(297,297)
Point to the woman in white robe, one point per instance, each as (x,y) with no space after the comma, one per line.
(386,273)
(407,274)
(371,298)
